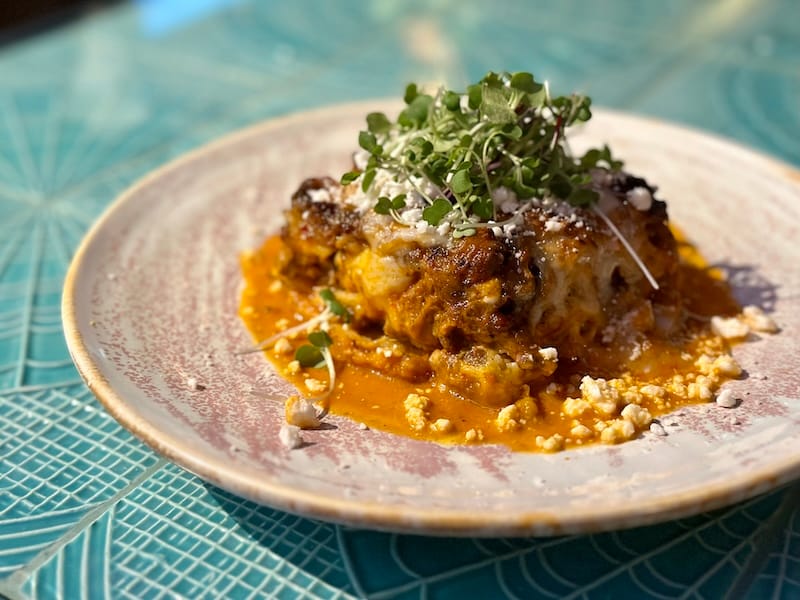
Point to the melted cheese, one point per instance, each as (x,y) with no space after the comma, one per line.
(380,384)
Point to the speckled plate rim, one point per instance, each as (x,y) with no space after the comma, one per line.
(376,515)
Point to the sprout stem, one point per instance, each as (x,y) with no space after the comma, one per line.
(628,247)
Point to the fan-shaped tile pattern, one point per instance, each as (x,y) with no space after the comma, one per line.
(87,511)
(644,562)
(175,536)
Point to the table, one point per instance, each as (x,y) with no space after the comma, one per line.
(87,511)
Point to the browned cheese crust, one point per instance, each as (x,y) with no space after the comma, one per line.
(479,310)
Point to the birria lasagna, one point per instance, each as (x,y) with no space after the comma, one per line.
(470,280)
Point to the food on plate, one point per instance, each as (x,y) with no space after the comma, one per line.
(471,280)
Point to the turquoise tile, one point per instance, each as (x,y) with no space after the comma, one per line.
(780,577)
(175,535)
(755,106)
(766,32)
(87,109)
(638,562)
(62,457)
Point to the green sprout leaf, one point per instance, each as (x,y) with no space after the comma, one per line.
(456,148)
(349,177)
(309,356)
(416,113)
(369,177)
(474,94)
(383,206)
(451,100)
(582,197)
(525,83)
(495,106)
(334,305)
(461,183)
(411,93)
(483,208)
(320,339)
(378,123)
(434,213)
(368,142)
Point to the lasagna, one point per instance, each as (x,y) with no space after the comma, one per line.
(482,284)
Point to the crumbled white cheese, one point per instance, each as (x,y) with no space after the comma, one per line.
(652,391)
(554,225)
(758,320)
(508,418)
(315,386)
(640,198)
(319,195)
(575,407)
(603,397)
(283,346)
(618,430)
(411,215)
(290,436)
(726,365)
(549,354)
(726,399)
(360,159)
(474,435)
(442,426)
(580,432)
(293,368)
(699,391)
(417,407)
(729,328)
(640,417)
(658,429)
(554,443)
(301,412)
(505,199)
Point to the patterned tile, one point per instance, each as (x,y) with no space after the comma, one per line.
(175,536)
(756,106)
(641,562)
(780,577)
(61,457)
(87,511)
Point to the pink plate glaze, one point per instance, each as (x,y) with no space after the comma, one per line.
(150,305)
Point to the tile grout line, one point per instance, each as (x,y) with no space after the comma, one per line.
(40,387)
(11,585)
(766,543)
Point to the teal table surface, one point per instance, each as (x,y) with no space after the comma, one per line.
(86,108)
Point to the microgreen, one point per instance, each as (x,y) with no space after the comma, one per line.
(505,130)
(434,213)
(336,307)
(311,355)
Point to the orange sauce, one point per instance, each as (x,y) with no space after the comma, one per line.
(367,396)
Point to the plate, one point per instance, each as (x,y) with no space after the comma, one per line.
(150,317)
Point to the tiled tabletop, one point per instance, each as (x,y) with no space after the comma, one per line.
(87,511)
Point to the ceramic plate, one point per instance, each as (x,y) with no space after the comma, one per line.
(150,307)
